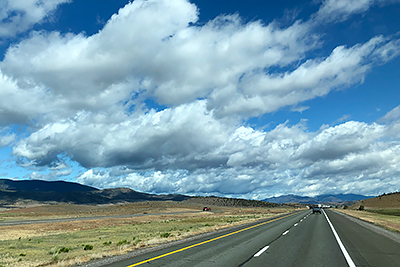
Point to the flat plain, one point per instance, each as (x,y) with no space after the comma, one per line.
(86,232)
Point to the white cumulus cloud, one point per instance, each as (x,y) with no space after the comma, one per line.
(17,16)
(159,102)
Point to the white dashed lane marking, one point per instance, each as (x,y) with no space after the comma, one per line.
(285,233)
(261,251)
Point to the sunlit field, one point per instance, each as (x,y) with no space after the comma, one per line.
(386,218)
(72,242)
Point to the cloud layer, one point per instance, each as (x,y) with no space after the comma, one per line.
(17,16)
(86,98)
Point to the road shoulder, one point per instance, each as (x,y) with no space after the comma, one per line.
(395,236)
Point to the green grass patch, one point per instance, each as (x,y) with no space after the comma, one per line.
(88,247)
(165,235)
(123,242)
(391,212)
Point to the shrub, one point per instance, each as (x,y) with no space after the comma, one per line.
(63,250)
(122,242)
(107,243)
(345,207)
(88,247)
(165,235)
(361,207)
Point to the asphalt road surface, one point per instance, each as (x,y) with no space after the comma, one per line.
(299,239)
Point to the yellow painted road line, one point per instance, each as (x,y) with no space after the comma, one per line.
(205,242)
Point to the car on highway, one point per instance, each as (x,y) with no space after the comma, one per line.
(206,209)
(316,210)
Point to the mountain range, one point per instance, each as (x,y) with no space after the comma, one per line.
(321,199)
(32,191)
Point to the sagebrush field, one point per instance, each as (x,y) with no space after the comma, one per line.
(128,227)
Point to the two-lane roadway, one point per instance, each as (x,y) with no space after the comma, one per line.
(297,239)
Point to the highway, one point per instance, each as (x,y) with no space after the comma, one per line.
(298,239)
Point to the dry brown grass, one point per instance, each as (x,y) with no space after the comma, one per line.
(386,221)
(77,211)
(389,201)
(381,210)
(40,243)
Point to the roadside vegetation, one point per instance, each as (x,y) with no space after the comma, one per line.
(383,218)
(391,212)
(383,210)
(68,243)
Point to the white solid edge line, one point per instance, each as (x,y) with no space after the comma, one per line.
(261,251)
(296,224)
(344,251)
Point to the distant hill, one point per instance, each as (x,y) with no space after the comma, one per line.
(27,192)
(391,200)
(326,199)
(231,202)
(33,191)
(290,199)
(44,186)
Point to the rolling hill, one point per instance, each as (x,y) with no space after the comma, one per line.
(385,201)
(43,186)
(27,192)
(35,191)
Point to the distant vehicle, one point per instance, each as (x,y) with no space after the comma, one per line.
(206,209)
(316,210)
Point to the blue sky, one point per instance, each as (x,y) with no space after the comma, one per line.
(247,99)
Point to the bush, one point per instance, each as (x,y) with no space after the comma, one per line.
(165,235)
(107,243)
(361,207)
(63,250)
(122,242)
(345,207)
(88,247)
